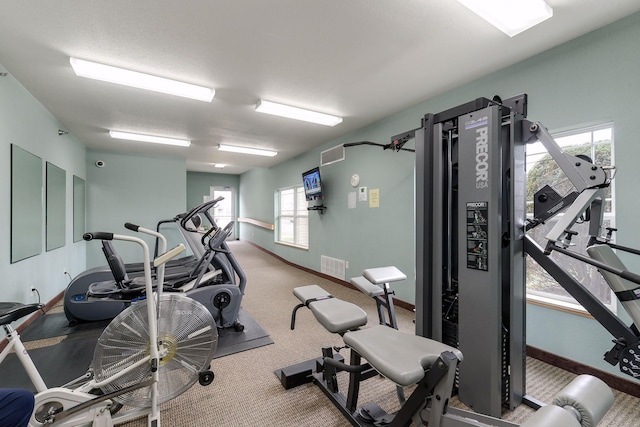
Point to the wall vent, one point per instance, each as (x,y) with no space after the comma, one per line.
(333,267)
(332,155)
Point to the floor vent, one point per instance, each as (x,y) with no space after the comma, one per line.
(332,267)
(332,155)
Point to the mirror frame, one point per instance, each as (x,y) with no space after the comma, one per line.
(79,208)
(56,204)
(26,204)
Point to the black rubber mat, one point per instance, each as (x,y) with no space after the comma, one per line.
(56,325)
(68,360)
(58,364)
(253,336)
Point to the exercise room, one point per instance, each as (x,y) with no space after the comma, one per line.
(320,213)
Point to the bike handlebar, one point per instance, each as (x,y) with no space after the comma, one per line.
(97,235)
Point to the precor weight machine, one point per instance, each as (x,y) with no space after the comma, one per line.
(470,283)
(471,243)
(470,213)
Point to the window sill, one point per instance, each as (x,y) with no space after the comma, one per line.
(291,245)
(553,304)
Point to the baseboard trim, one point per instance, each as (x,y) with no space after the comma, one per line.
(397,302)
(613,381)
(48,306)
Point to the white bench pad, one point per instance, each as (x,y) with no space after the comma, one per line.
(366,287)
(334,314)
(399,356)
(305,293)
(380,275)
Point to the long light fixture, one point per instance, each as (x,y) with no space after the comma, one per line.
(282,110)
(149,138)
(111,74)
(510,16)
(246,150)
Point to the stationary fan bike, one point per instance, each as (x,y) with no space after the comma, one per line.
(150,353)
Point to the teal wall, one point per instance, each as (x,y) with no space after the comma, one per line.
(591,80)
(26,123)
(199,183)
(130,188)
(256,201)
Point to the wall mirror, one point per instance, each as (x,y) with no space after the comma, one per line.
(78,208)
(26,204)
(56,201)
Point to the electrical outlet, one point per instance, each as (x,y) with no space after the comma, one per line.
(346,264)
(33,290)
(64,271)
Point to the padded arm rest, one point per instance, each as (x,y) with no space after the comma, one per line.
(366,287)
(382,275)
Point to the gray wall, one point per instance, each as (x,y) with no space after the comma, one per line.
(26,123)
(130,188)
(593,79)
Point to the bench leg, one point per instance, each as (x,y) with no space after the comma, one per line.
(354,382)
(293,315)
(386,302)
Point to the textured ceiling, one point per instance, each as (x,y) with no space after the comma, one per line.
(360,59)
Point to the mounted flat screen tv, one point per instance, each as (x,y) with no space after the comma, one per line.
(312,184)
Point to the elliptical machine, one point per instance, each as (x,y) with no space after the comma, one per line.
(217,281)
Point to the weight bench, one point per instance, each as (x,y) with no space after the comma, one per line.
(339,316)
(407,360)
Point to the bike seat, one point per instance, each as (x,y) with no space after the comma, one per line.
(12,311)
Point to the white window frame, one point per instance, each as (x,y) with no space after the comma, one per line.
(564,302)
(299,214)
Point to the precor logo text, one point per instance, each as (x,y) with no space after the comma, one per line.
(482,158)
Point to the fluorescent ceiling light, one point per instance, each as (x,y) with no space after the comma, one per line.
(218,165)
(121,76)
(149,138)
(245,150)
(511,16)
(269,107)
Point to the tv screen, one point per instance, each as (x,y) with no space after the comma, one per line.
(312,184)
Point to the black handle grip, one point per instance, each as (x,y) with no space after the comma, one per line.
(97,235)
(131,227)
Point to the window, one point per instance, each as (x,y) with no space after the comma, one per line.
(597,143)
(293,217)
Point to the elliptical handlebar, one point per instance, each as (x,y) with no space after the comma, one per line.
(203,208)
(203,239)
(218,238)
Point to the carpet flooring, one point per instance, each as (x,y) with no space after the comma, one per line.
(246,392)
